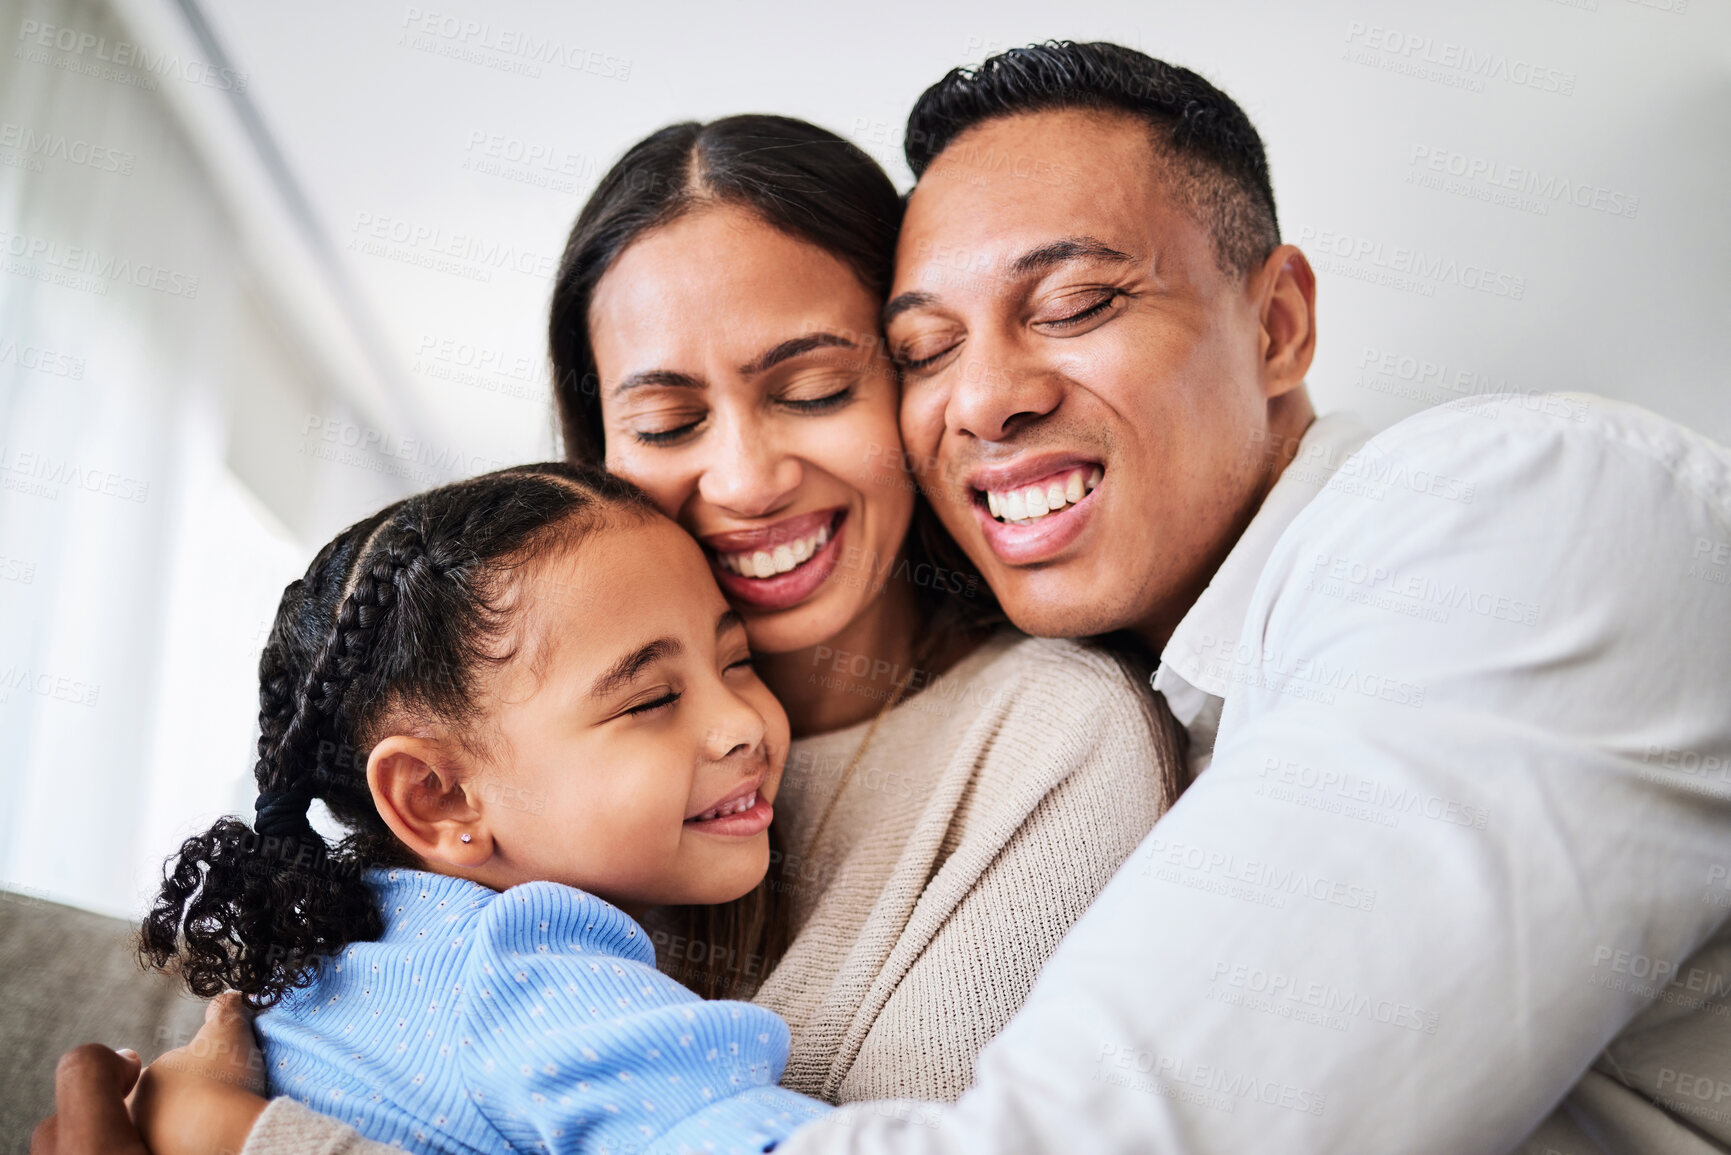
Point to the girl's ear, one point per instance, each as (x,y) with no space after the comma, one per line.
(418,788)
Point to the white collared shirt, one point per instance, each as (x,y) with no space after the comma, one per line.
(1195,685)
(1464,845)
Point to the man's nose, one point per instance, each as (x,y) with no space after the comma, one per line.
(999,389)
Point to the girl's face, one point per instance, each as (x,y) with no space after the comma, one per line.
(635,753)
(745,387)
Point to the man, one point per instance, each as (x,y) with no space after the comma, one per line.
(1455,696)
(1445,843)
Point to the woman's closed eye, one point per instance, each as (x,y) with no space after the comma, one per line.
(665,429)
(810,399)
(815,388)
(824,404)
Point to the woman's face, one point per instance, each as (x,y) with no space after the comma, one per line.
(745,387)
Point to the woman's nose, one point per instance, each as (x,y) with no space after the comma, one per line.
(749,475)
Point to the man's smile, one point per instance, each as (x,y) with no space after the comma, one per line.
(1033,508)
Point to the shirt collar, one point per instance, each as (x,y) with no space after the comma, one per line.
(1192,690)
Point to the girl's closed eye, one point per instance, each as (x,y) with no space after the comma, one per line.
(658,699)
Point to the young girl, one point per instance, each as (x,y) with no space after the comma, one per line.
(527,701)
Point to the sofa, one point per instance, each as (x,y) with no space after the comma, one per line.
(68,977)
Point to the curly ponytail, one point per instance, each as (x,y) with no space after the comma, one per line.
(396,614)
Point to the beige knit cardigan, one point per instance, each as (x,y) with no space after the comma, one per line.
(973,830)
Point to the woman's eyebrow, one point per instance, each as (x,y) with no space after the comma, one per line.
(632,664)
(793,347)
(666,378)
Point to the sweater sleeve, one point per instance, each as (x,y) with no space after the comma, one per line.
(989,949)
(287,1128)
(570,1049)
(1053,813)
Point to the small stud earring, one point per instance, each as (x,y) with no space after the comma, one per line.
(466,838)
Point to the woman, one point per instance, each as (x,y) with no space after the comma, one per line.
(715,339)
(958,792)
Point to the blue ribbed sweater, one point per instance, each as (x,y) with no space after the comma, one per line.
(528,1020)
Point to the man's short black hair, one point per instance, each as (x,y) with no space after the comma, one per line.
(1220,172)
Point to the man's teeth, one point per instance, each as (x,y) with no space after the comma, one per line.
(769,562)
(1030,503)
(737,806)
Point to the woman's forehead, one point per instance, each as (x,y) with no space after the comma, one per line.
(723,283)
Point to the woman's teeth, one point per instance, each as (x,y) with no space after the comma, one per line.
(769,562)
(738,806)
(1030,503)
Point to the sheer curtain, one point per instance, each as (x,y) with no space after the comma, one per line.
(157,486)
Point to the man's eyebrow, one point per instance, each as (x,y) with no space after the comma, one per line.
(794,347)
(1033,261)
(632,664)
(666,378)
(727,621)
(901,304)
(1068,249)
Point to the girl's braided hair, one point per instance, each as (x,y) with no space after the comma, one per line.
(395,617)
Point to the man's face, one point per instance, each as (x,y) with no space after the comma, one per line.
(1087,395)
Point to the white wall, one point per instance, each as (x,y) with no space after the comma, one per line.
(389,116)
(215,406)
(148,386)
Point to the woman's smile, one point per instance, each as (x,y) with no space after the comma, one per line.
(779,565)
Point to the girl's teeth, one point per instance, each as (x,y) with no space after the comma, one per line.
(738,806)
(1035,501)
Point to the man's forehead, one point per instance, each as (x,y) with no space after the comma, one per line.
(1019,182)
(1080,136)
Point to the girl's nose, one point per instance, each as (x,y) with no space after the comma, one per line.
(737,731)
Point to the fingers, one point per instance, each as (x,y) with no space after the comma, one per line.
(44,1140)
(90,1087)
(225,1047)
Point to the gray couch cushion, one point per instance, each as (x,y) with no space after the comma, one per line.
(69,977)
